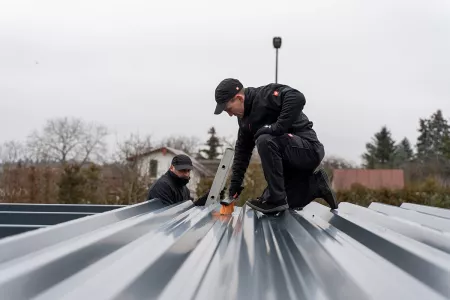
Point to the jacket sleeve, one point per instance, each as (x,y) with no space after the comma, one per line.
(242,155)
(292,103)
(163,192)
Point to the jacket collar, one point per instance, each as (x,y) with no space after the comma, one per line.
(248,102)
(180,182)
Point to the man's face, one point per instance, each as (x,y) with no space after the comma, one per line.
(181,173)
(235,107)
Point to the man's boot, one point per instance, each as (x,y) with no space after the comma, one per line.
(322,188)
(268,208)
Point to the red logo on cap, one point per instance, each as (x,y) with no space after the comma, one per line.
(275,93)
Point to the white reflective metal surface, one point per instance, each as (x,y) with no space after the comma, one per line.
(148,251)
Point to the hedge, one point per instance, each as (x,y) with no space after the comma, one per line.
(426,193)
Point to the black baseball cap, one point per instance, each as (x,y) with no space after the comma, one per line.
(182,162)
(227,89)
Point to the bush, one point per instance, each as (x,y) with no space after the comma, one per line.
(428,192)
(72,185)
(204,185)
(123,184)
(254,184)
(22,183)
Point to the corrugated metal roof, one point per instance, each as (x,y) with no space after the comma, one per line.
(147,251)
(17,218)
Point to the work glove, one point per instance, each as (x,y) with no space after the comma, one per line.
(234,193)
(201,201)
(266,129)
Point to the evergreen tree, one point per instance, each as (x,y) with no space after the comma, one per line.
(381,152)
(403,152)
(434,133)
(446,148)
(369,157)
(405,145)
(213,143)
(92,176)
(72,185)
(424,141)
(439,130)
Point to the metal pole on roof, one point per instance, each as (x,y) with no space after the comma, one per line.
(276,45)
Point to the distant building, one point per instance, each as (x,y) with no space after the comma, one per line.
(156,162)
(211,164)
(343,179)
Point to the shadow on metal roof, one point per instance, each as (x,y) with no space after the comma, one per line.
(148,251)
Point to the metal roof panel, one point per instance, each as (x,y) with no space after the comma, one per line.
(148,251)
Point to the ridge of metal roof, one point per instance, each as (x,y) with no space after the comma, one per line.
(149,251)
(58,207)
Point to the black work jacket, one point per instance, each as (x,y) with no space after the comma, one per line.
(169,190)
(277,105)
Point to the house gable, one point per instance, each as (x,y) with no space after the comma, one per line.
(156,164)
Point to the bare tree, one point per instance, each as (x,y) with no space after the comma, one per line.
(184,143)
(65,139)
(130,148)
(330,163)
(133,182)
(13,175)
(335,162)
(13,152)
(228,142)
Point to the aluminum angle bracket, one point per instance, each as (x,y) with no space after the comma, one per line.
(221,177)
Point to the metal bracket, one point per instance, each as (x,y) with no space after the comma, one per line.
(221,177)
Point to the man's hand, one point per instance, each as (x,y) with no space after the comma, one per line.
(267,129)
(202,200)
(235,191)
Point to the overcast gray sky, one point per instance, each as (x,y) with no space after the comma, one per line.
(360,65)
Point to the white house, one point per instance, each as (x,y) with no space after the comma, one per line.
(156,162)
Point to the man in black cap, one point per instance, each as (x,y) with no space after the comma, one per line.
(271,117)
(171,187)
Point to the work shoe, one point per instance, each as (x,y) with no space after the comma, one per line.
(297,208)
(324,188)
(267,208)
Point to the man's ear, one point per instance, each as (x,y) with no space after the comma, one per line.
(172,168)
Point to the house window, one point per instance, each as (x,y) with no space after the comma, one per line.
(153,168)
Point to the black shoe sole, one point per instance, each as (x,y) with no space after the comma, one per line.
(329,196)
(273,210)
(297,208)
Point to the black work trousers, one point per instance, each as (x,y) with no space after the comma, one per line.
(288,163)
